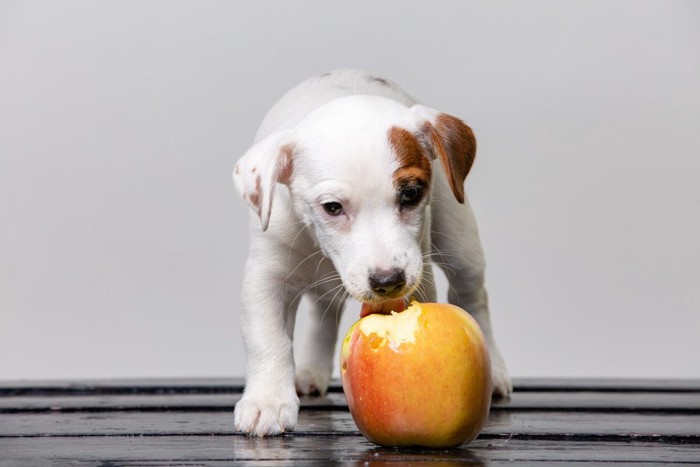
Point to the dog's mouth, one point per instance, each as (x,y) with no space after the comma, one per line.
(386,307)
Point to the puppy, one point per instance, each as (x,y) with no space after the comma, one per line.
(355,190)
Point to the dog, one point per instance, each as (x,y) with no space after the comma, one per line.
(355,189)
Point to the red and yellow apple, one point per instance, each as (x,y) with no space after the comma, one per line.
(421,377)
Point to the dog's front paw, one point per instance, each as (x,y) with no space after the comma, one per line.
(312,382)
(265,417)
(502,385)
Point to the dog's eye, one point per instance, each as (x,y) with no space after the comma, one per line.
(333,208)
(410,195)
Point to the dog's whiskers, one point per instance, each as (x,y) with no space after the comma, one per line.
(319,265)
(338,289)
(421,289)
(464,247)
(301,263)
(445,255)
(329,278)
(335,290)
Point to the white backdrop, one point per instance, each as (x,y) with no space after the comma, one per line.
(122,239)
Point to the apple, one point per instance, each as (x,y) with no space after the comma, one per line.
(419,377)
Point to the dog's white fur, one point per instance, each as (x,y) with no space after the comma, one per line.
(326,141)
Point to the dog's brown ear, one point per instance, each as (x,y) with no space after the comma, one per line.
(268,162)
(450,140)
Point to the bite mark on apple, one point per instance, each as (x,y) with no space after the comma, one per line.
(395,329)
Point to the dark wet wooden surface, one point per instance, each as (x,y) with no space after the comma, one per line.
(190,422)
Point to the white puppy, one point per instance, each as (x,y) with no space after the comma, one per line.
(355,190)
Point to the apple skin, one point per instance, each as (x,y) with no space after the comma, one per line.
(421,377)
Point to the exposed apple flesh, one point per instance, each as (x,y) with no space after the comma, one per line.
(421,377)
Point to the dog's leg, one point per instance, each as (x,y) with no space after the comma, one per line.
(457,250)
(427,291)
(269,405)
(314,358)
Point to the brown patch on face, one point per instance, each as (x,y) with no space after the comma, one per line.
(282,174)
(238,169)
(255,198)
(285,164)
(454,143)
(414,165)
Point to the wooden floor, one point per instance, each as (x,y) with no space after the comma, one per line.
(190,422)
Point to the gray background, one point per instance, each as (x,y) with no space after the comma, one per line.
(122,239)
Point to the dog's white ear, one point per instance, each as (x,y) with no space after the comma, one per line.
(450,140)
(264,165)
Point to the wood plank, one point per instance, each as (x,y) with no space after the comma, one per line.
(123,386)
(137,402)
(608,385)
(545,425)
(569,401)
(294,450)
(189,422)
(235,385)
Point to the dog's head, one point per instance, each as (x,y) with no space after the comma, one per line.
(359,170)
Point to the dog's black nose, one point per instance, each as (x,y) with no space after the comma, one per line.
(387,282)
